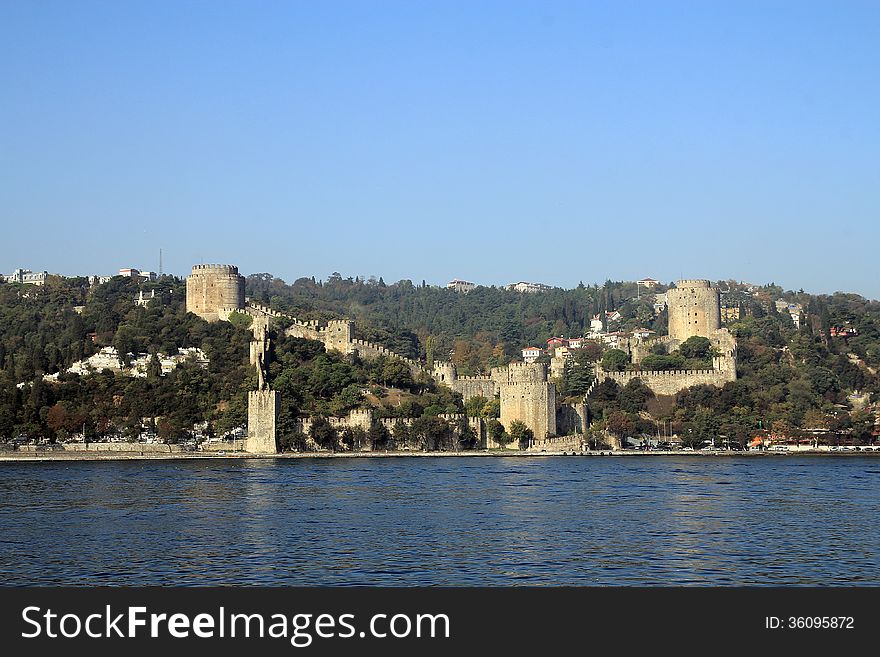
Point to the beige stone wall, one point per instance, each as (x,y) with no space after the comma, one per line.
(338,335)
(527,396)
(558,444)
(139,448)
(672,381)
(212,289)
(262,420)
(571,419)
(445,373)
(475,386)
(694,309)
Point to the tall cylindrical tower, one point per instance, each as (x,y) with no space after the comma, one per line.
(211,288)
(694,309)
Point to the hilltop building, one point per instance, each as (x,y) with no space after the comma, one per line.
(458,285)
(794,310)
(27,277)
(529,288)
(143,301)
(531,354)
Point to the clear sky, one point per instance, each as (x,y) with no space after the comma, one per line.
(491,141)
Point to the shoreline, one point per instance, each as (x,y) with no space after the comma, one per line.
(147,456)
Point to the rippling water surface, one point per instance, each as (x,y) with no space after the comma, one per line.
(443,521)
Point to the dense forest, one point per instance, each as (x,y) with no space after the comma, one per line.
(791,380)
(478,330)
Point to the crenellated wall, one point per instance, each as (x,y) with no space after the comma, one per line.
(670,382)
(363,418)
(475,386)
(337,335)
(525,392)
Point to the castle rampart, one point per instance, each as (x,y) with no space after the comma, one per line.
(670,382)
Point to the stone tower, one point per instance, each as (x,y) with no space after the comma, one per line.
(694,309)
(527,396)
(445,372)
(263,408)
(338,335)
(212,290)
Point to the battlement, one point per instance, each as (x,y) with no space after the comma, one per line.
(670,382)
(214,269)
(693,283)
(266,310)
(521,373)
(214,289)
(640,374)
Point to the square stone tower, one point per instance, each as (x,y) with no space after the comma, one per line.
(526,395)
(263,410)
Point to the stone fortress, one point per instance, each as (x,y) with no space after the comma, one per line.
(525,391)
(214,292)
(526,394)
(694,308)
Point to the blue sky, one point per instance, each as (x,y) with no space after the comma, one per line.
(491,141)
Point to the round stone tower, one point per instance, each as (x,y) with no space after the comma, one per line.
(212,288)
(694,309)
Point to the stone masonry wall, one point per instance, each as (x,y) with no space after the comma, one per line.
(210,288)
(694,309)
(672,381)
(262,420)
(527,396)
(475,386)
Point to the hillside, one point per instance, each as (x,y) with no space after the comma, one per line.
(823,375)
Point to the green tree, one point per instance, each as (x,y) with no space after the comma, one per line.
(696,347)
(240,320)
(154,367)
(496,431)
(324,434)
(473,407)
(378,436)
(521,434)
(615,360)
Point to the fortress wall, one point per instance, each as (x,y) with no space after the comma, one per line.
(444,372)
(371,351)
(573,443)
(138,448)
(571,419)
(338,335)
(527,396)
(302,331)
(672,381)
(475,386)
